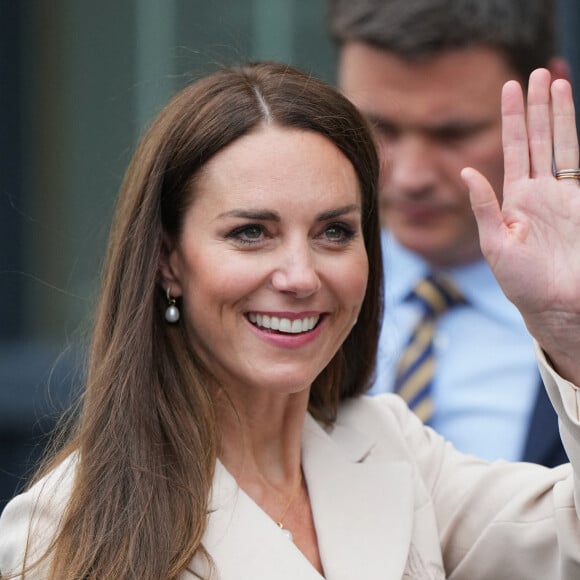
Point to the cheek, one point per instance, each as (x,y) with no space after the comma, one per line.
(354,280)
(486,156)
(217,286)
(488,160)
(219,271)
(495,174)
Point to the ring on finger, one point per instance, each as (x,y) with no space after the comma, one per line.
(568,174)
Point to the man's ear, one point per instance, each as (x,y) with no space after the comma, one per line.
(559,68)
(169,274)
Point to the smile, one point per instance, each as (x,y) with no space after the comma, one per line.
(285,325)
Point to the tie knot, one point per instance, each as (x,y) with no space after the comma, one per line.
(437,294)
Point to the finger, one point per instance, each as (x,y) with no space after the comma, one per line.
(539,123)
(565,135)
(514,133)
(485,206)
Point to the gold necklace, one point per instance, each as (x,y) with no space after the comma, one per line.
(280,521)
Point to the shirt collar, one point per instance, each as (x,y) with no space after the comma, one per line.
(403,269)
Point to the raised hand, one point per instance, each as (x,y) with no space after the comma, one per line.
(531,238)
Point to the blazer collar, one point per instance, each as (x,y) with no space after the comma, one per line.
(362,508)
(362,503)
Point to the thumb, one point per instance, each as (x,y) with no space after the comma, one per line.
(485,206)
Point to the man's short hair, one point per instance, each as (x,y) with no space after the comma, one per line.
(524,30)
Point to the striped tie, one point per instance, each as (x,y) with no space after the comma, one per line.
(417,363)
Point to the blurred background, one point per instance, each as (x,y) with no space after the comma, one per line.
(79,82)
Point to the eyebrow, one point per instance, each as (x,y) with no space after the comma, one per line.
(339,211)
(267,215)
(252,214)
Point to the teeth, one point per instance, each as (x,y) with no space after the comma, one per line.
(284,324)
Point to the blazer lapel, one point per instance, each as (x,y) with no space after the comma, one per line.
(244,542)
(362,504)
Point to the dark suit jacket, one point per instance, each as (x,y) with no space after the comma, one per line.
(543,443)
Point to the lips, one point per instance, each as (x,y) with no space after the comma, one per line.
(282,324)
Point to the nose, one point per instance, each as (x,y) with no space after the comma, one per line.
(296,273)
(411,165)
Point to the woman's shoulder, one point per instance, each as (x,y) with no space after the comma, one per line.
(30,520)
(387,420)
(384,418)
(378,411)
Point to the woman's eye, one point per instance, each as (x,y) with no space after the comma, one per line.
(340,233)
(252,232)
(247,234)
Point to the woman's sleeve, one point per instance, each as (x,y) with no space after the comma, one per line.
(30,521)
(505,520)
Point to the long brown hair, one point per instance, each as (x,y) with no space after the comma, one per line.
(146,439)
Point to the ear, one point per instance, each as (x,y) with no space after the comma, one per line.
(169,274)
(559,68)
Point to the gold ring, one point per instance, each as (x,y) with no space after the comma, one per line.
(568,174)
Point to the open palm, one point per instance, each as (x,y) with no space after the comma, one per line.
(531,238)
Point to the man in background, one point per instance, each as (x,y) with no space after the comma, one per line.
(428,76)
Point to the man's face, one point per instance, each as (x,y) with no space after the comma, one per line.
(431,118)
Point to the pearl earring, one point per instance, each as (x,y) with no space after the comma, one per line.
(171,312)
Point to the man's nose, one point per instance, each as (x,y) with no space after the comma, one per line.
(411,165)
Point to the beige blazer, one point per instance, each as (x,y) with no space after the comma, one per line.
(391,500)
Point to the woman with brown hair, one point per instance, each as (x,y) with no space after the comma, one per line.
(223,432)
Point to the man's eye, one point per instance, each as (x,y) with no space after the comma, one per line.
(457,133)
(383,131)
(452,135)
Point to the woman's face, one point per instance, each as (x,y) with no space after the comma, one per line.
(271,263)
